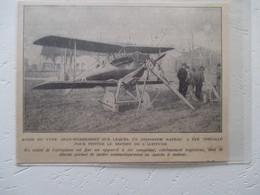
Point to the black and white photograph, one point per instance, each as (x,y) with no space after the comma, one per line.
(122,69)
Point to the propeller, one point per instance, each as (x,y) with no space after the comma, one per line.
(150,67)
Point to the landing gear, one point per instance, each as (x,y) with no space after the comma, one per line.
(146,102)
(109,102)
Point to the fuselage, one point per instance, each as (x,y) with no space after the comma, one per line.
(118,67)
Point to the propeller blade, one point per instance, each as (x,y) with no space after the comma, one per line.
(160,57)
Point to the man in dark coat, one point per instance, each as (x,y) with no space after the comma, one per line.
(182,76)
(199,80)
(218,81)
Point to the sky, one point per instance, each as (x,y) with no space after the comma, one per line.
(152,26)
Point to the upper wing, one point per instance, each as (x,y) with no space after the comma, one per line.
(83,84)
(92,46)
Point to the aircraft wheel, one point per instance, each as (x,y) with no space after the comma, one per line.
(109,102)
(146,103)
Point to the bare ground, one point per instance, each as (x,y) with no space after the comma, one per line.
(79,111)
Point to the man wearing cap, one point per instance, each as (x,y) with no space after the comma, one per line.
(199,80)
(182,76)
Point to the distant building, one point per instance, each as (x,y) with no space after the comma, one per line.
(199,57)
(53,59)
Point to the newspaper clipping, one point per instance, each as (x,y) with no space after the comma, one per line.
(122,82)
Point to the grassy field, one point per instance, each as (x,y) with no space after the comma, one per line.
(79,111)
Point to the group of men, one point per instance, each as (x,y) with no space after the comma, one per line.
(191,79)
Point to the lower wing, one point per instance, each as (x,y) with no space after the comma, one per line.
(84,84)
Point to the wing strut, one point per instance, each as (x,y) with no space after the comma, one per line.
(142,94)
(63,66)
(75,55)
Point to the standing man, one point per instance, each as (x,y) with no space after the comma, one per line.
(199,80)
(182,76)
(191,83)
(218,81)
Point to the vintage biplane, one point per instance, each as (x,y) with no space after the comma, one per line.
(123,68)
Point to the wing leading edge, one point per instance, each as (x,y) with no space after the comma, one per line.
(92,46)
